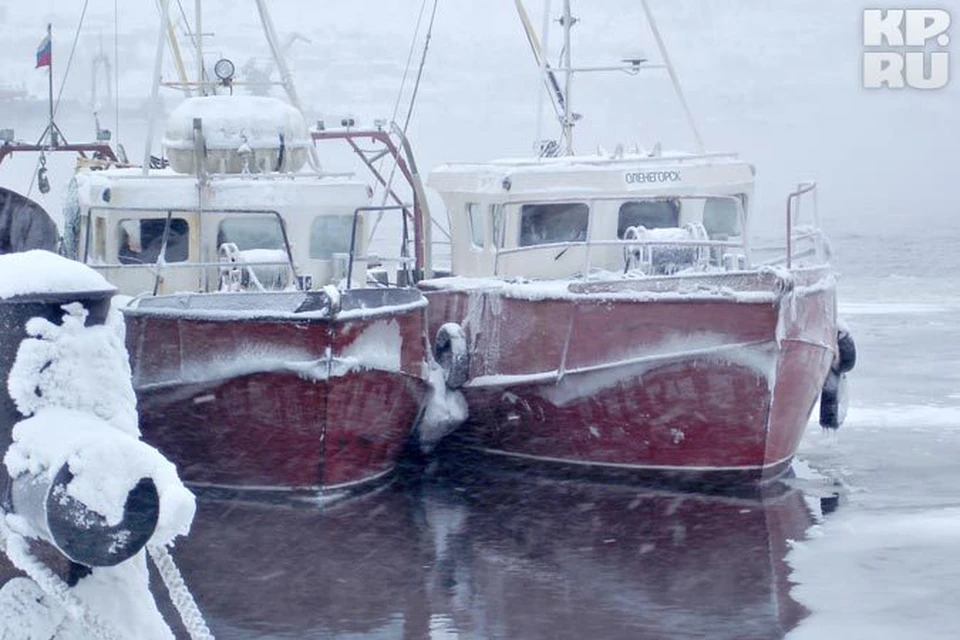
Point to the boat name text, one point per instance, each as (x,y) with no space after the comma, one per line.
(648,177)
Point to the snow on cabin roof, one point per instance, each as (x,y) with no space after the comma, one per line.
(606,160)
(233,120)
(120,188)
(672,172)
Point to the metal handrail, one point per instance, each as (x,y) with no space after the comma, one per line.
(405,162)
(776,261)
(623,242)
(404,259)
(802,189)
(185,264)
(626,244)
(525,199)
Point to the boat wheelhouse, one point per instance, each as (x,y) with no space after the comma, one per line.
(249,209)
(509,218)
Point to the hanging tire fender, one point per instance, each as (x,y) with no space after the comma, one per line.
(831,414)
(846,352)
(833,396)
(450,352)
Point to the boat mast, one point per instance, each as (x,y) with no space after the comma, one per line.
(543,71)
(52,127)
(285,76)
(198,36)
(547,75)
(178,59)
(567,22)
(155,89)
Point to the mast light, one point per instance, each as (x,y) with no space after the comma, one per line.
(224,69)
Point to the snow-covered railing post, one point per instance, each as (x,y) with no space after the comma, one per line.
(16,311)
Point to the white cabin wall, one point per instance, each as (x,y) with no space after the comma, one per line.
(604,216)
(465,258)
(299,200)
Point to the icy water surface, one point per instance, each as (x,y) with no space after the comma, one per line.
(883,566)
(493,555)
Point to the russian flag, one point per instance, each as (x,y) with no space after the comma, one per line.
(45,52)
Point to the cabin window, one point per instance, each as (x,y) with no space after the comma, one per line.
(553,222)
(496,218)
(475,216)
(650,214)
(721,218)
(140,240)
(251,232)
(330,235)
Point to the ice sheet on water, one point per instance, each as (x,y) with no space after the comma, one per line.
(890,308)
(876,574)
(904,416)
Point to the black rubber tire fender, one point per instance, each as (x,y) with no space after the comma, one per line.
(846,353)
(830,401)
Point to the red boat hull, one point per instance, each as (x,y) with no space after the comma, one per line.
(619,379)
(278,404)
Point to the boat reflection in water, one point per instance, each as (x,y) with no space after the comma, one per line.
(499,556)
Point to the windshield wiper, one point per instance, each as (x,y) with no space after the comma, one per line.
(580,237)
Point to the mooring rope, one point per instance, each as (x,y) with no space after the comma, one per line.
(179,593)
(17,549)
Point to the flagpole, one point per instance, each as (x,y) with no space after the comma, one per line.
(53,131)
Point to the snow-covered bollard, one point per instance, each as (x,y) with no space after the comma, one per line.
(88,490)
(75,473)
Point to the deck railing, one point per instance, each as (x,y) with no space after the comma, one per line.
(640,253)
(794,197)
(405,261)
(801,242)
